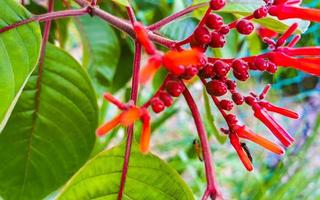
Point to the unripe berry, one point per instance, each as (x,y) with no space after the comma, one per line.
(237,98)
(217,40)
(190,73)
(207,71)
(174,88)
(226,104)
(272,68)
(231,119)
(217,4)
(261,63)
(216,88)
(202,35)
(166,99)
(231,84)
(221,69)
(157,105)
(260,12)
(244,27)
(214,21)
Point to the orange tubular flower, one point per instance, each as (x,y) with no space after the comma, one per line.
(152,66)
(172,60)
(142,37)
(146,133)
(234,140)
(245,133)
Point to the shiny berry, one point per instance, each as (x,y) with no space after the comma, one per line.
(216,88)
(217,4)
(190,73)
(239,65)
(178,70)
(221,68)
(217,40)
(261,63)
(166,99)
(252,66)
(197,45)
(224,30)
(157,105)
(202,35)
(231,119)
(214,21)
(226,104)
(241,75)
(244,27)
(272,68)
(207,71)
(174,88)
(260,12)
(231,84)
(237,98)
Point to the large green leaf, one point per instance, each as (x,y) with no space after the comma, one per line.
(51,131)
(19,52)
(148,178)
(101,50)
(242,8)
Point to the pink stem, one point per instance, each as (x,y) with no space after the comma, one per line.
(46,17)
(134,97)
(212,187)
(175,16)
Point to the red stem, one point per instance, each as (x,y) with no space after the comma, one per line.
(134,97)
(212,187)
(175,16)
(47,17)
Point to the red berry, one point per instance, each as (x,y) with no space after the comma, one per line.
(226,104)
(217,40)
(231,119)
(260,12)
(157,105)
(237,98)
(241,75)
(214,21)
(179,70)
(249,100)
(240,65)
(207,71)
(244,27)
(252,66)
(272,68)
(221,68)
(197,45)
(231,84)
(166,99)
(216,88)
(261,63)
(190,73)
(174,88)
(217,4)
(224,30)
(202,35)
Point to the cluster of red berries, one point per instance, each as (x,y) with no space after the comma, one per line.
(164,98)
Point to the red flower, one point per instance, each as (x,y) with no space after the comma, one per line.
(284,11)
(142,37)
(265,32)
(130,114)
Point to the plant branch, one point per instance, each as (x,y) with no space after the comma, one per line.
(212,187)
(175,16)
(134,97)
(47,17)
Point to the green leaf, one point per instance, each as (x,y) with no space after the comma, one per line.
(19,52)
(148,178)
(51,131)
(179,30)
(122,2)
(101,50)
(210,120)
(242,8)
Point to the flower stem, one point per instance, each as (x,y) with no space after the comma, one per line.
(47,17)
(134,97)
(175,16)
(212,186)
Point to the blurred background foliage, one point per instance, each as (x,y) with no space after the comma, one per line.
(108,54)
